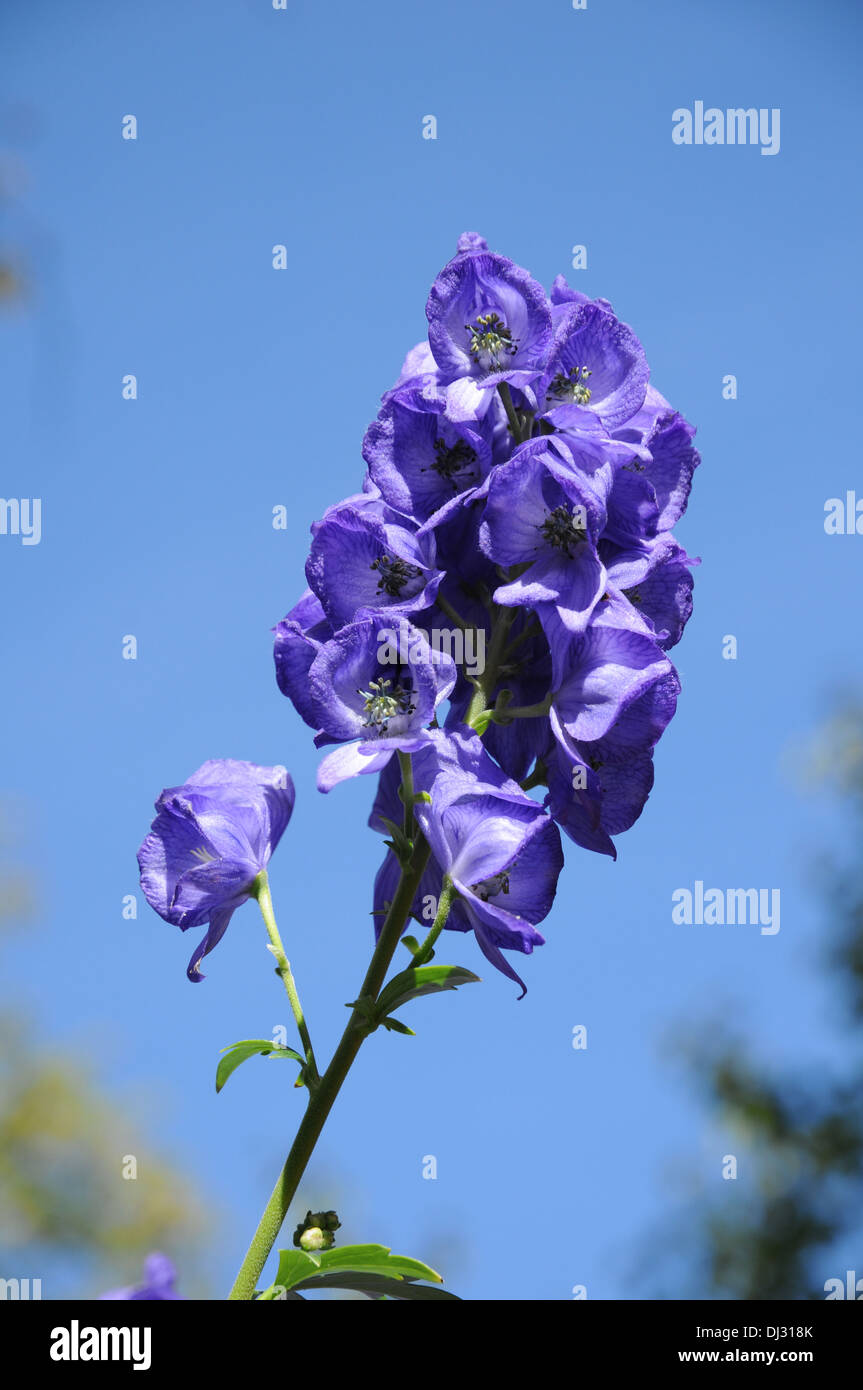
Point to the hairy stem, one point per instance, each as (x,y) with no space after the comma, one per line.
(321,1099)
(445,902)
(283,970)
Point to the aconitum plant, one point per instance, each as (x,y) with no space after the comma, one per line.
(486,631)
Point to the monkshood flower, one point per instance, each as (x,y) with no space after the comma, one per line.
(595,362)
(656,579)
(365,556)
(210,840)
(599,673)
(298,639)
(498,848)
(489,325)
(615,692)
(379,681)
(598,788)
(668,459)
(544,516)
(160,1276)
(420,459)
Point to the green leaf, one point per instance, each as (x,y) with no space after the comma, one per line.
(480,722)
(294,1266)
(237,1053)
(341,1268)
(411,943)
(395,1025)
(375,1286)
(423,979)
(401,846)
(376,1259)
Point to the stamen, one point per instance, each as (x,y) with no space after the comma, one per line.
(490,887)
(570,386)
(383,704)
(565,529)
(490,339)
(394,574)
(453,459)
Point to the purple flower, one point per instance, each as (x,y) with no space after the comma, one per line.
(544,517)
(419,459)
(596,362)
(499,849)
(157,1285)
(210,839)
(489,322)
(656,579)
(669,458)
(598,788)
(298,639)
(615,693)
(601,672)
(365,556)
(379,680)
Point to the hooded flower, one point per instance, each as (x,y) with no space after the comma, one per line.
(669,457)
(419,459)
(156,1286)
(598,787)
(489,323)
(298,639)
(656,579)
(365,556)
(500,850)
(379,680)
(596,362)
(543,518)
(210,839)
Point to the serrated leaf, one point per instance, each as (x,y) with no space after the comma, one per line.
(239,1052)
(423,979)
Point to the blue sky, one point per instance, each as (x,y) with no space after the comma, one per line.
(153,257)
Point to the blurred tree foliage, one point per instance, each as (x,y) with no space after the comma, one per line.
(771,1233)
(67,1214)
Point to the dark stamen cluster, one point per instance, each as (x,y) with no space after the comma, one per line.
(564,529)
(394,574)
(453,459)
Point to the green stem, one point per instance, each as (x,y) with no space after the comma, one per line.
(445,606)
(527,711)
(322,1098)
(486,682)
(407,772)
(283,970)
(506,397)
(445,902)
